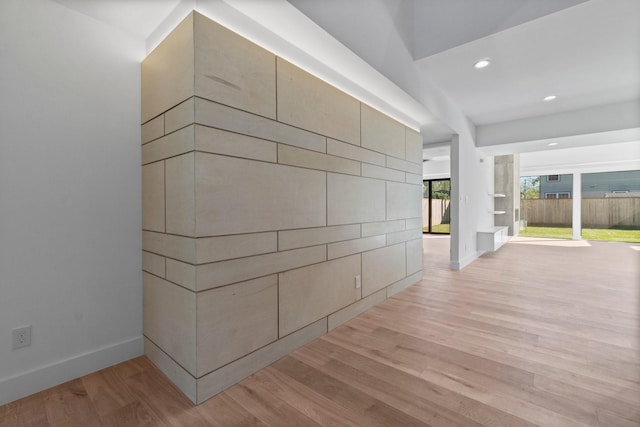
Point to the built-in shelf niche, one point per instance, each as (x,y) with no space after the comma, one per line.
(497,196)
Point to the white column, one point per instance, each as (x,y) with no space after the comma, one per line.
(456,202)
(577,206)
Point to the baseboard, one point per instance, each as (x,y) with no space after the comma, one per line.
(30,382)
(460,264)
(403,284)
(176,373)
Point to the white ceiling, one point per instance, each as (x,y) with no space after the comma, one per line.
(136,17)
(421,52)
(587,55)
(456,22)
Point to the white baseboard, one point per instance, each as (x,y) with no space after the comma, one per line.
(459,265)
(30,382)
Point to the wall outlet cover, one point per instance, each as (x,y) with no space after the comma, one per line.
(21,337)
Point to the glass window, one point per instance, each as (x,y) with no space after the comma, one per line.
(436,204)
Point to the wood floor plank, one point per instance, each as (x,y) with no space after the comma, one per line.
(474,375)
(131,415)
(70,405)
(413,351)
(540,362)
(223,411)
(313,405)
(163,400)
(516,354)
(530,335)
(611,419)
(620,402)
(107,391)
(27,412)
(424,401)
(385,377)
(266,407)
(377,412)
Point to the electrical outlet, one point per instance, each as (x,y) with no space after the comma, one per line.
(358,282)
(21,337)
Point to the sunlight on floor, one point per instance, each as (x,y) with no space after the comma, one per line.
(541,241)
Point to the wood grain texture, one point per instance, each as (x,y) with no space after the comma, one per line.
(531,335)
(310,103)
(381,133)
(235,320)
(310,293)
(167,72)
(228,190)
(233,71)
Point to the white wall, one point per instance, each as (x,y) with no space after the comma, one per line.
(383,47)
(471,184)
(436,169)
(70,217)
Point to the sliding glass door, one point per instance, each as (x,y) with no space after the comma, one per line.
(436,206)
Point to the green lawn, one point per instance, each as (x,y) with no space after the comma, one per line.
(613,235)
(439,228)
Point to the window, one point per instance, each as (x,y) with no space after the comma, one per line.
(560,195)
(436,206)
(553,178)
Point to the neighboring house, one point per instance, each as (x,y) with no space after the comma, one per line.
(594,185)
(608,184)
(556,186)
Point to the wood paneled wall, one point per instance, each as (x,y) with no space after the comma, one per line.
(266,191)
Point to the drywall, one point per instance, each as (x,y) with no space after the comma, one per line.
(385,47)
(436,169)
(457,23)
(471,184)
(69,195)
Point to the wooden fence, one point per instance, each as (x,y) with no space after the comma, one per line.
(611,212)
(440,213)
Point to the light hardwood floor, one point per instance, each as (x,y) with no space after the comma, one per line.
(536,334)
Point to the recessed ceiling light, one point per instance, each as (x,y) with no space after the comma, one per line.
(551,144)
(483,63)
(550,98)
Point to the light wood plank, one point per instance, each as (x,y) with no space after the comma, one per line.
(27,412)
(167,72)
(223,411)
(235,320)
(69,404)
(309,103)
